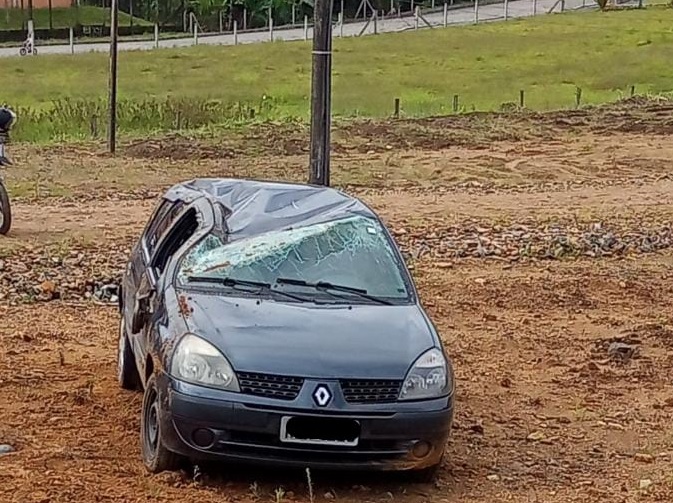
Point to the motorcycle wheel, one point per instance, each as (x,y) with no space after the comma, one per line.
(34,51)
(22,51)
(5,211)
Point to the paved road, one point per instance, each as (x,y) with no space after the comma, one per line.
(464,15)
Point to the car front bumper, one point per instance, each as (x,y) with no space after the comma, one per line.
(201,425)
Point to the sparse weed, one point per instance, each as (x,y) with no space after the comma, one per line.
(254,490)
(73,119)
(279,494)
(309,483)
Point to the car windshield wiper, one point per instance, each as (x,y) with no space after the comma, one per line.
(227,281)
(233,282)
(324,285)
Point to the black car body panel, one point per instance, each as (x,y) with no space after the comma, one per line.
(281,338)
(281,350)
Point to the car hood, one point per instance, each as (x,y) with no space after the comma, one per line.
(308,340)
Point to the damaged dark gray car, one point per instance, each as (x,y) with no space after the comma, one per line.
(277,323)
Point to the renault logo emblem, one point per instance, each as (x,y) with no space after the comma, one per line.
(322,396)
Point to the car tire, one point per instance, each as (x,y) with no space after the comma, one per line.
(127,371)
(155,455)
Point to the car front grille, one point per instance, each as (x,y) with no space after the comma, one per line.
(269,385)
(370,390)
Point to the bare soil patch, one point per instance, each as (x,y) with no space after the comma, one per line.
(543,254)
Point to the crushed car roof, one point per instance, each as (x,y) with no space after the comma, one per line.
(254,207)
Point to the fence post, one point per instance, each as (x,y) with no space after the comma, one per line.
(522,99)
(506,9)
(376,17)
(235,32)
(271,29)
(72,41)
(446,14)
(416,18)
(563,5)
(397,108)
(455,103)
(305,27)
(534,7)
(156,35)
(293,14)
(476,11)
(341,24)
(432,5)
(633,91)
(245,19)
(578,97)
(196,32)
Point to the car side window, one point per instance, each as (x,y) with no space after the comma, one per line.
(184,228)
(165,216)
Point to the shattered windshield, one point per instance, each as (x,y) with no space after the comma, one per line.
(353,252)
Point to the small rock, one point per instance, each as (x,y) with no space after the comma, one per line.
(445,265)
(645,483)
(477,428)
(48,287)
(621,351)
(493,477)
(615,426)
(329,495)
(644,458)
(535,436)
(5,449)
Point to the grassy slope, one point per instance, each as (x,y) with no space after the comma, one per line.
(64,18)
(486,65)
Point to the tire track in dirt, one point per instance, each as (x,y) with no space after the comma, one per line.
(33,221)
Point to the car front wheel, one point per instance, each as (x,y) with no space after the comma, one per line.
(127,371)
(155,455)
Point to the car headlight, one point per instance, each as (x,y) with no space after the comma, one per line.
(429,377)
(199,362)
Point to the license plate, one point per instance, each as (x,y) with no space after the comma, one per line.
(319,431)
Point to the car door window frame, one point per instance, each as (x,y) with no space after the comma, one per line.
(173,211)
(168,236)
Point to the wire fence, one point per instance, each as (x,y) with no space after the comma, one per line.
(402,16)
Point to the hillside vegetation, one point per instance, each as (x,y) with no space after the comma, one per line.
(603,53)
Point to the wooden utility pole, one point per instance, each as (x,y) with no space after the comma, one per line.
(321,89)
(112,126)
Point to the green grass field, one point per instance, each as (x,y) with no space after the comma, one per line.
(486,65)
(13,19)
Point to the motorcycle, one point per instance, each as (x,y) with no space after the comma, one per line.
(7,120)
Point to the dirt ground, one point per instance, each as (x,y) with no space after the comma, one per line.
(537,242)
